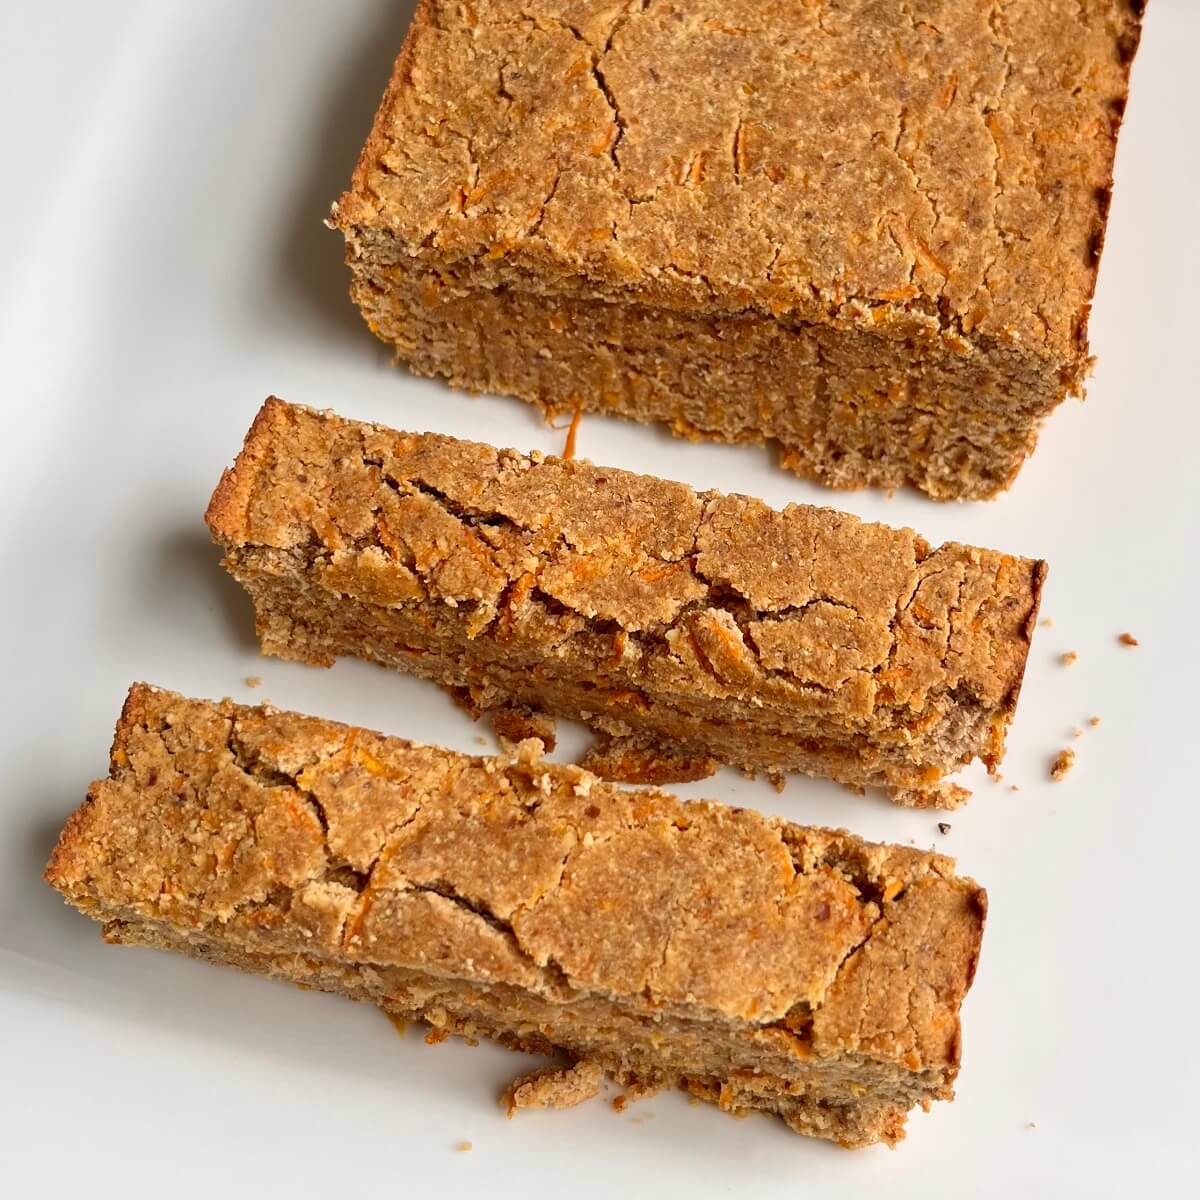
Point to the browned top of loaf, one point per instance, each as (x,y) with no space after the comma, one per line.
(937,168)
(333,841)
(717,592)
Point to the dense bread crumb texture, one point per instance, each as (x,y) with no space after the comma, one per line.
(763,965)
(689,629)
(869,231)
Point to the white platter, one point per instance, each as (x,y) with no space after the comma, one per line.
(166,170)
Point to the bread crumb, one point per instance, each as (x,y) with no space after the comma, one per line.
(1077,732)
(777,779)
(463,1146)
(1012,787)
(1127,639)
(1064,760)
(254,681)
(400,1024)
(1093,721)
(632,759)
(943,827)
(513,725)
(1030,1124)
(1046,623)
(620,1103)
(479,740)
(554,1087)
(1070,657)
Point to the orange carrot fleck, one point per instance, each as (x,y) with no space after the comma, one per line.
(572,430)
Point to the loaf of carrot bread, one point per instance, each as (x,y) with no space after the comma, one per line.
(689,629)
(761,965)
(868,232)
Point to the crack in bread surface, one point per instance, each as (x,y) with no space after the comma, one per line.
(526,900)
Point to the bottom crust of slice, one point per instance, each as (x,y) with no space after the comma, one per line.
(856,1123)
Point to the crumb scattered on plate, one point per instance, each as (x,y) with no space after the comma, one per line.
(479,740)
(1030,1124)
(463,1146)
(254,681)
(1064,760)
(1077,732)
(1012,787)
(1127,639)
(1093,721)
(1046,623)
(1068,658)
(943,827)
(777,779)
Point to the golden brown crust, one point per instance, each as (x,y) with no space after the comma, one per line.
(231,497)
(709,626)
(529,896)
(356,204)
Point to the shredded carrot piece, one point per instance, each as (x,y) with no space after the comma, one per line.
(658,573)
(621,640)
(603,144)
(572,430)
(906,292)
(518,594)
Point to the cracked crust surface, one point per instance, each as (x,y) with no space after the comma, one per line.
(707,625)
(796,970)
(928,178)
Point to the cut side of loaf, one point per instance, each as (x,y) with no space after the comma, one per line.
(688,629)
(759,964)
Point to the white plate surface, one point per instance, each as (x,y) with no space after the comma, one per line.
(167,169)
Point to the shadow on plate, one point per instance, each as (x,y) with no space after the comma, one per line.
(310,255)
(186,570)
(54,955)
